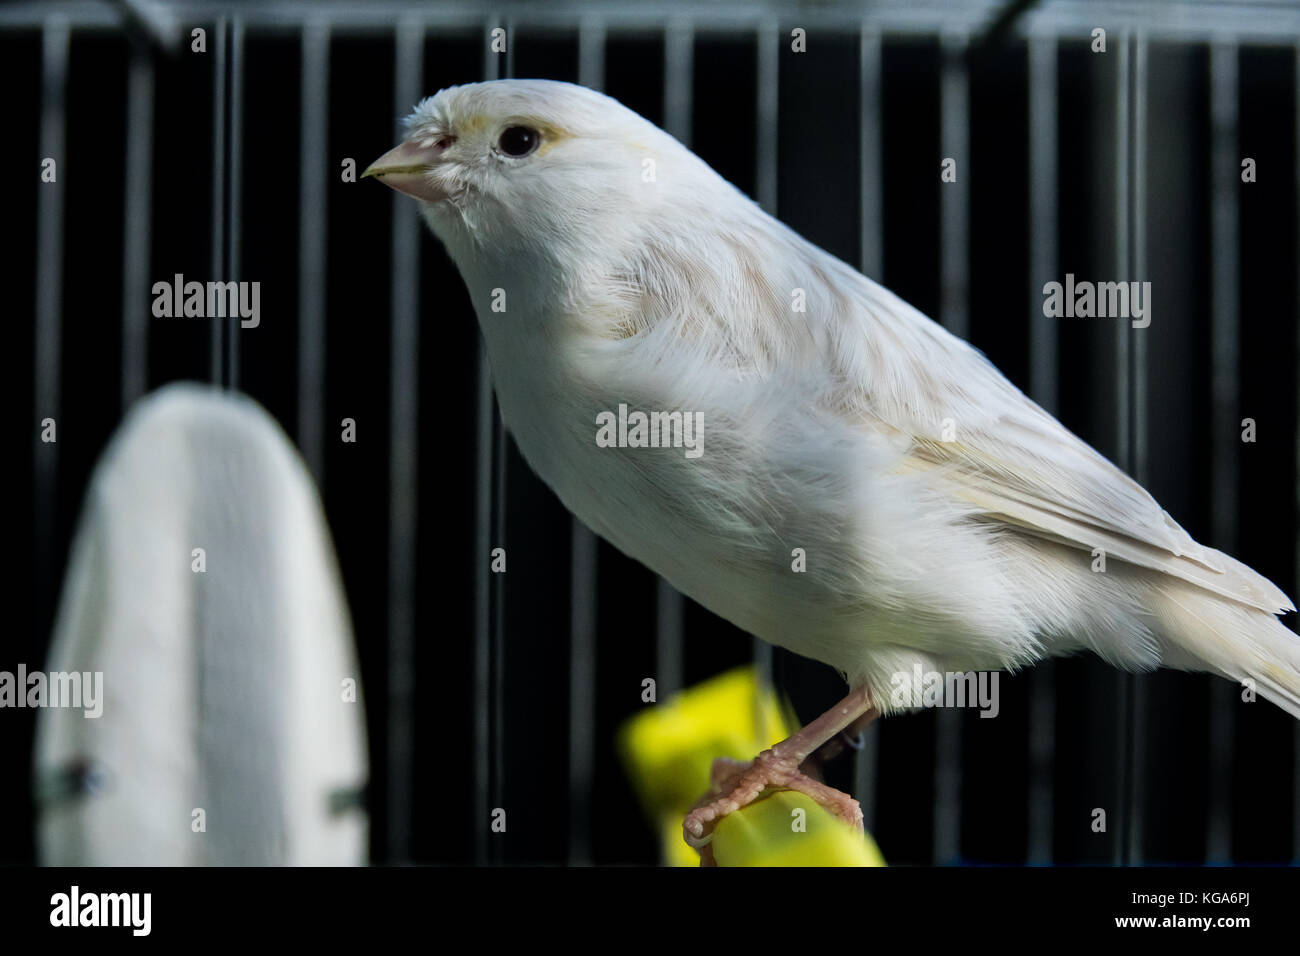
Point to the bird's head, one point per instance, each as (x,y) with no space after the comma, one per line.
(518,168)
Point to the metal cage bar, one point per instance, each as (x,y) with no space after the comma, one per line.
(404,436)
(135,231)
(1295,791)
(1044,385)
(490,503)
(1138,418)
(768,112)
(954,313)
(1224,336)
(227,125)
(217,222)
(313,225)
(584,550)
(48,339)
(234,190)
(679,95)
(872,260)
(1258,23)
(1126,685)
(483,585)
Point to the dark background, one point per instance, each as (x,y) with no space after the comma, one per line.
(818,195)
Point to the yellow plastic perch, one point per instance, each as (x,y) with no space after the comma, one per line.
(669,748)
(785,828)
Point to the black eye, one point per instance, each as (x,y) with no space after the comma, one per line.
(519,140)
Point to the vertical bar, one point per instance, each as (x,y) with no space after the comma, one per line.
(498,697)
(312,225)
(1123,682)
(135,230)
(582,624)
(768,112)
(679,87)
(1138,255)
(591,53)
(234,189)
(954,310)
(216,330)
(403,449)
(871,244)
(1295,792)
(954,211)
(582,691)
(1137,406)
(1131,386)
(871,213)
(1122,261)
(485,589)
(669,611)
(1043,213)
(49,299)
(679,79)
(499,475)
(1224,304)
(1043,351)
(485,446)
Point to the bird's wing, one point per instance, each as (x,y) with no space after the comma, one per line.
(985,443)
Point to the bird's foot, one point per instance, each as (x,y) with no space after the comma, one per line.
(736,785)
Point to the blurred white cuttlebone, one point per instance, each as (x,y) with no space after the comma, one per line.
(948,522)
(225,737)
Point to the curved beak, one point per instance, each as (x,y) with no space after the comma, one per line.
(406,168)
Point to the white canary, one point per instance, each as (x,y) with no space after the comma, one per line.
(941,517)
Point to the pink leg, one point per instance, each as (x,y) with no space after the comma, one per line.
(738,785)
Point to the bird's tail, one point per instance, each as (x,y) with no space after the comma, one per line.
(1202,631)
